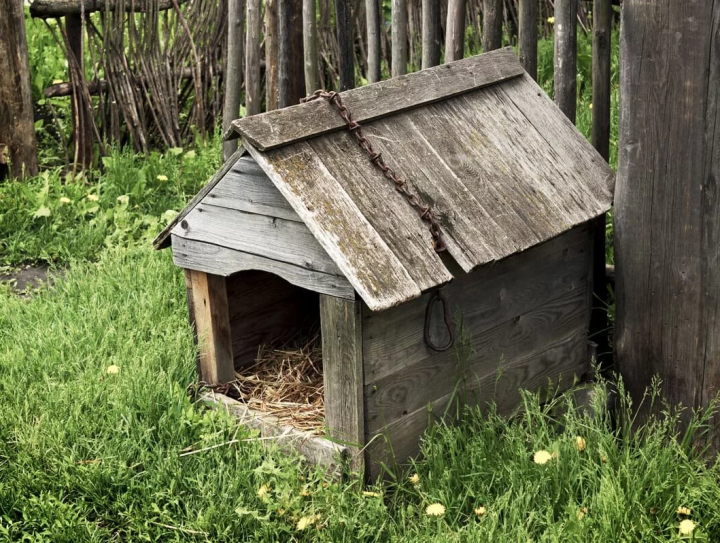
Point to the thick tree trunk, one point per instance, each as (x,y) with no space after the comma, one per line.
(667,203)
(17,129)
(310,48)
(455,30)
(528,36)
(372,11)
(430,33)
(233,70)
(291,73)
(492,24)
(252,58)
(399,37)
(566,56)
(343,20)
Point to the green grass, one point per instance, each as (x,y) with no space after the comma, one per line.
(90,456)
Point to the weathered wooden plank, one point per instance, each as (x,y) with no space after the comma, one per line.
(490,295)
(386,210)
(278,239)
(247,188)
(212,322)
(196,255)
(573,151)
(399,441)
(339,226)
(266,309)
(341,324)
(163,238)
(394,396)
(316,450)
(278,128)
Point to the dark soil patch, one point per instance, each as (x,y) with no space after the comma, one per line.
(24,280)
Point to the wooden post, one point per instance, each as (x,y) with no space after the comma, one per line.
(17,129)
(602,12)
(271,55)
(566,56)
(252,58)
(310,46)
(528,36)
(291,72)
(667,203)
(430,33)
(372,12)
(233,71)
(399,37)
(492,24)
(212,325)
(343,20)
(341,328)
(81,114)
(455,30)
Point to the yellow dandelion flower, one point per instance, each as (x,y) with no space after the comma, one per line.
(435,510)
(551,20)
(687,527)
(685,511)
(113,369)
(263,491)
(304,522)
(64,200)
(369,494)
(542,457)
(161,177)
(581,513)
(481,511)
(414,478)
(580,442)
(93,197)
(603,458)
(590,106)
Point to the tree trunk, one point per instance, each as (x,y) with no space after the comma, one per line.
(310,48)
(492,24)
(346,64)
(667,232)
(252,58)
(399,37)
(455,33)
(529,36)
(271,55)
(291,73)
(17,129)
(566,56)
(430,33)
(372,10)
(233,71)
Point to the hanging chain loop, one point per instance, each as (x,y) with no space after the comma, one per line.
(426,212)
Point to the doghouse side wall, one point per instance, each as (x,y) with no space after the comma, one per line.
(524,321)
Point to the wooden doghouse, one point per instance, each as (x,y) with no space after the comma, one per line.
(300,225)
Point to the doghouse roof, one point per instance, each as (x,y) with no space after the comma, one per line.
(477,139)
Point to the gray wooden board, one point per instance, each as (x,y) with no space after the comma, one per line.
(246,188)
(338,225)
(266,309)
(405,391)
(386,210)
(491,295)
(582,161)
(278,239)
(316,450)
(343,371)
(197,255)
(163,238)
(283,126)
(558,362)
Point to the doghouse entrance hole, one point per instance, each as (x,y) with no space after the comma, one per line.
(277,349)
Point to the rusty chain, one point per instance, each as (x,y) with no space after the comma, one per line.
(425,211)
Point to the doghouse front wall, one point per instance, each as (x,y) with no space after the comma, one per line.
(524,319)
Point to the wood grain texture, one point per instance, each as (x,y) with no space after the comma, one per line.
(602,28)
(266,309)
(492,24)
(338,225)
(316,450)
(559,363)
(246,188)
(278,128)
(346,58)
(667,235)
(399,37)
(212,323)
(455,30)
(430,33)
(278,239)
(527,36)
(233,70)
(291,71)
(271,55)
(341,325)
(196,255)
(372,13)
(565,57)
(310,48)
(253,97)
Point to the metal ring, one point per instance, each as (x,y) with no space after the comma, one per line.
(437,296)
